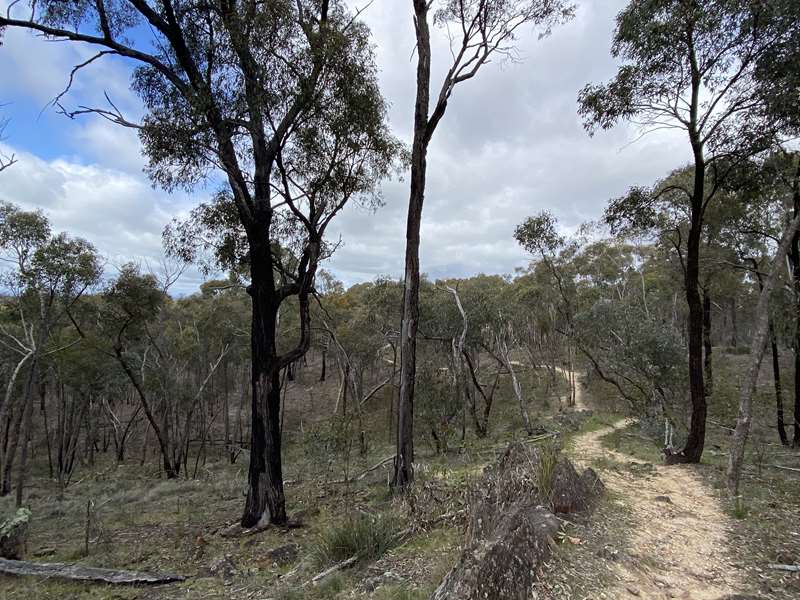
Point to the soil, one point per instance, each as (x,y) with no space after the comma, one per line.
(679,547)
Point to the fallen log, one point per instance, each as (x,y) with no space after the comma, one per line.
(80,573)
(786,468)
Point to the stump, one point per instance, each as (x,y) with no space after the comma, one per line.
(14,534)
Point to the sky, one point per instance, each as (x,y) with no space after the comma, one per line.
(510,145)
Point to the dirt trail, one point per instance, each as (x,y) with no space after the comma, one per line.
(678,547)
(579,402)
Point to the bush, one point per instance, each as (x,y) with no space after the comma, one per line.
(362,535)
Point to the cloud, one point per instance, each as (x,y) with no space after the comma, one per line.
(510,145)
(116,211)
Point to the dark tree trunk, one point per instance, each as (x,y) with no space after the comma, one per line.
(776,375)
(795,254)
(708,371)
(776,366)
(265,494)
(734,332)
(171,467)
(404,458)
(697,430)
(324,362)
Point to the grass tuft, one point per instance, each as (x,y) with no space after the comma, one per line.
(362,535)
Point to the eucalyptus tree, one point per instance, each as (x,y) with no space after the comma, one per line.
(766,196)
(280,98)
(692,66)
(778,79)
(48,274)
(539,236)
(479,30)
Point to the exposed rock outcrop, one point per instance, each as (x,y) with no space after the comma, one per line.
(511,523)
(14,534)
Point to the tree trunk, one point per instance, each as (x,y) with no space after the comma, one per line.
(708,372)
(265,497)
(796,280)
(693,450)
(776,366)
(758,345)
(404,457)
(776,375)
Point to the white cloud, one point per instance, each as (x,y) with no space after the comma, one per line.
(118,212)
(510,145)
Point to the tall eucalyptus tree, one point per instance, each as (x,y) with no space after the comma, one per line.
(693,66)
(479,30)
(277,99)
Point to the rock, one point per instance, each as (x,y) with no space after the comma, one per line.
(373,583)
(504,564)
(571,492)
(45,551)
(510,530)
(665,499)
(222,566)
(633,591)
(608,552)
(284,555)
(14,534)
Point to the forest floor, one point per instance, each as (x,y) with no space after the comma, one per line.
(660,532)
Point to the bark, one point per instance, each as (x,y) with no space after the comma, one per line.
(795,254)
(23,459)
(776,367)
(481,422)
(776,376)
(404,459)
(693,450)
(458,361)
(758,346)
(506,357)
(265,496)
(171,469)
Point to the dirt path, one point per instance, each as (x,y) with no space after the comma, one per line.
(678,545)
(579,402)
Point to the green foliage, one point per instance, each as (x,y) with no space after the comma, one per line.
(642,352)
(538,234)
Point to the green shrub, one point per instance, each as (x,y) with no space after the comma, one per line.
(362,535)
